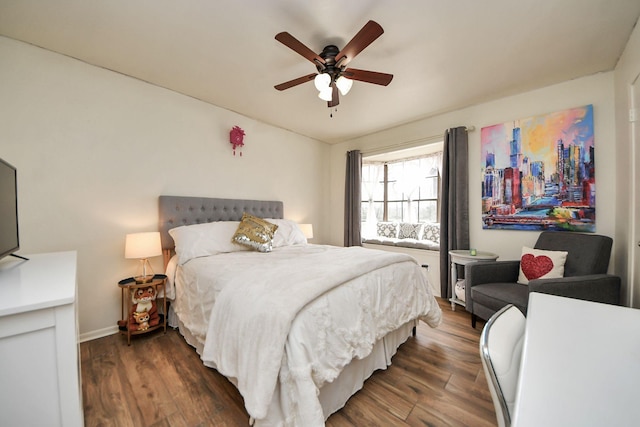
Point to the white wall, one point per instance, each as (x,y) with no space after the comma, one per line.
(596,90)
(627,172)
(94,150)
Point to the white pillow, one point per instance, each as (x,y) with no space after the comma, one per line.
(200,240)
(287,234)
(540,264)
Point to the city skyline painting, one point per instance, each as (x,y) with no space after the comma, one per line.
(538,173)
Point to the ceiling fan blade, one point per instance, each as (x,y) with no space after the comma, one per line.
(296,82)
(371,31)
(374,77)
(297,46)
(335,100)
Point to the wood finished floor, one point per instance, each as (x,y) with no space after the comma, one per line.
(436,379)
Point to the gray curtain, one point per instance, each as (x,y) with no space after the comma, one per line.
(454,209)
(352,199)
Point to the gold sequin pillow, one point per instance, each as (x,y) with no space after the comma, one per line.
(255,232)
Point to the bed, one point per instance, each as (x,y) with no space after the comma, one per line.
(296,328)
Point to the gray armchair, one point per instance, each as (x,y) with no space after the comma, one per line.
(491,285)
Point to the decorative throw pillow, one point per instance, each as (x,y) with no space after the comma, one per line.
(541,264)
(387,229)
(431,232)
(409,231)
(255,232)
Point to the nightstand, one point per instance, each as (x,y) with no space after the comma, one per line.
(129,287)
(464,257)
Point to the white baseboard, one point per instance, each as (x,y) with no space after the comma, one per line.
(88,336)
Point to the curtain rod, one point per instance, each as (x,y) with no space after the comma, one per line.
(410,144)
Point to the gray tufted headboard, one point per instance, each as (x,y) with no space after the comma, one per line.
(175,211)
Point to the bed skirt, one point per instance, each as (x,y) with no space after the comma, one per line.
(333,396)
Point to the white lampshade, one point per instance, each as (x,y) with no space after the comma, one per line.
(143,245)
(326,95)
(322,81)
(344,85)
(307,230)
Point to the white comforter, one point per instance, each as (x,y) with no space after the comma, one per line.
(287,321)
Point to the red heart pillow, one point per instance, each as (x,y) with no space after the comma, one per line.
(535,266)
(541,264)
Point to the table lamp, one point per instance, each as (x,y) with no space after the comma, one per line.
(307,230)
(143,246)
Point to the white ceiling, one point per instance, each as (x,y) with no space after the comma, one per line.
(444,55)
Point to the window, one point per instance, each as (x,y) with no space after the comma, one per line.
(400,189)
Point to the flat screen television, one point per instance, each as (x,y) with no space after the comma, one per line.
(9,238)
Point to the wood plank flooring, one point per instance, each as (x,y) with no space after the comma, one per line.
(436,379)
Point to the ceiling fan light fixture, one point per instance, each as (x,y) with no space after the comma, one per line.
(326,94)
(322,81)
(331,64)
(344,85)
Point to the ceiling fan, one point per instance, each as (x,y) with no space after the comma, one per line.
(333,76)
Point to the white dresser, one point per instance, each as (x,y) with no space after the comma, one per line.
(39,368)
